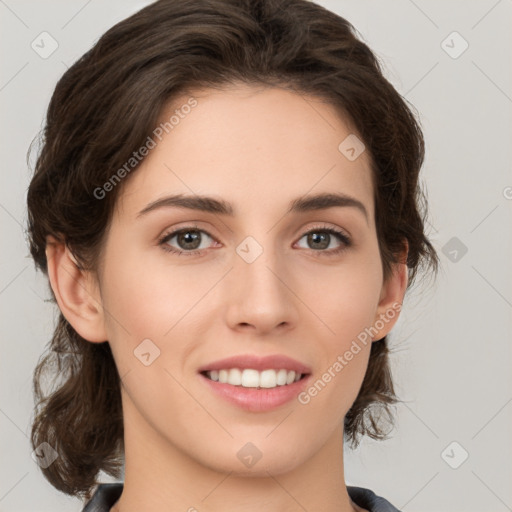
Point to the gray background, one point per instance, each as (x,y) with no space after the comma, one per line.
(452,343)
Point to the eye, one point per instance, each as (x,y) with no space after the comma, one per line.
(320,238)
(188,239)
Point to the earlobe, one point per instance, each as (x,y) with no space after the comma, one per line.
(76,291)
(391,298)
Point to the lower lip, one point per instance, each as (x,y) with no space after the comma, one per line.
(257,399)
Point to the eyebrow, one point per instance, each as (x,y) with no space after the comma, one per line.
(208,204)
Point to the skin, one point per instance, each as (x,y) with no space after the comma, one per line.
(258,148)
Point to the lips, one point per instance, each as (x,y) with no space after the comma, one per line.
(251,362)
(256,384)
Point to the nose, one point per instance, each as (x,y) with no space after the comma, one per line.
(259,294)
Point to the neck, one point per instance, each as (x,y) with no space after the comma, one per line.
(159,476)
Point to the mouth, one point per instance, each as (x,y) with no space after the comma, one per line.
(256,384)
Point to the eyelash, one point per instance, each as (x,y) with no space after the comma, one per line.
(346,242)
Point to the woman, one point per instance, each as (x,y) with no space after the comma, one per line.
(227,207)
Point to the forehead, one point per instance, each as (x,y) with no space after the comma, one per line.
(269,144)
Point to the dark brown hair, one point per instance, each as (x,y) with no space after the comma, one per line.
(104,108)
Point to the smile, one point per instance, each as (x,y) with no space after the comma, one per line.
(251,378)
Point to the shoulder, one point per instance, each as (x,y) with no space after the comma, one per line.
(369,500)
(104,497)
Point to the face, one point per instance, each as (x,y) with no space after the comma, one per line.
(255,279)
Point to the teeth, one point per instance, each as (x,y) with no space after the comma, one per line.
(281,377)
(235,377)
(250,378)
(268,379)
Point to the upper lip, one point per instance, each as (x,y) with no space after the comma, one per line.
(245,361)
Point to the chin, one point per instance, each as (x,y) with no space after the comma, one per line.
(256,459)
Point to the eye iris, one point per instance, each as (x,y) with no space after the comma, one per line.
(189,237)
(315,237)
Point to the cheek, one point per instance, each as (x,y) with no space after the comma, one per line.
(347,301)
(144,296)
(347,307)
(154,301)
(149,310)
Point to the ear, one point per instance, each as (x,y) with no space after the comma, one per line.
(76,291)
(391,297)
